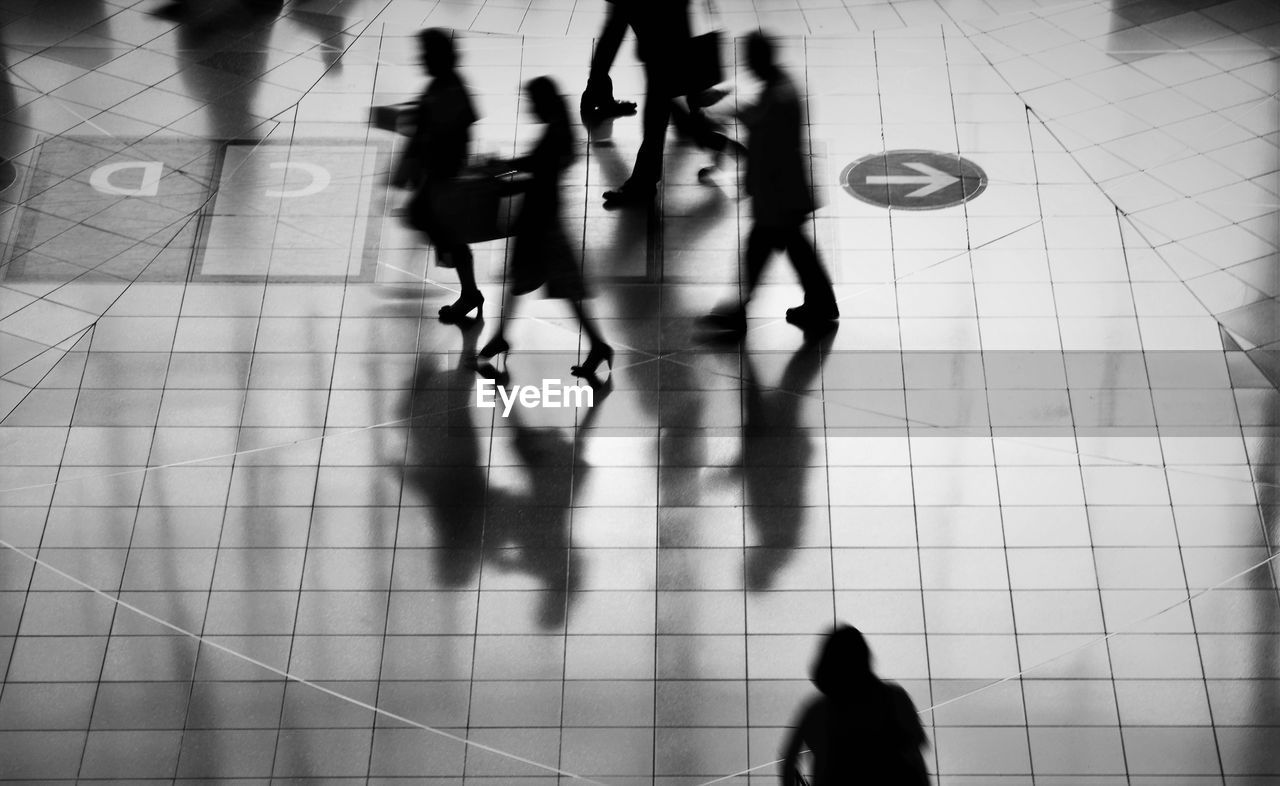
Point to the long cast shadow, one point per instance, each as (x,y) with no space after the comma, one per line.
(777,451)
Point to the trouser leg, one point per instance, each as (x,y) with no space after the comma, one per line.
(760,245)
(599,85)
(657,113)
(818,292)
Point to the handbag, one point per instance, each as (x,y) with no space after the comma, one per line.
(700,67)
(475,206)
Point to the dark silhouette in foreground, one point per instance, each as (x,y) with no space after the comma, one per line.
(861,730)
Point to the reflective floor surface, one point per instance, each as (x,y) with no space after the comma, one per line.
(256,529)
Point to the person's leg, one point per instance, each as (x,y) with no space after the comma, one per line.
(819,296)
(498,344)
(465,264)
(599,85)
(657,112)
(760,246)
(459,257)
(732,318)
(588,324)
(600,352)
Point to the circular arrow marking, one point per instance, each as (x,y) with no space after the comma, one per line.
(913,179)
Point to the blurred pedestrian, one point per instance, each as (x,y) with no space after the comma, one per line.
(861,729)
(435,156)
(781,197)
(541,254)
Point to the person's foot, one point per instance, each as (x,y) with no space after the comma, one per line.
(457,311)
(589,368)
(629,195)
(593,111)
(496,346)
(814,318)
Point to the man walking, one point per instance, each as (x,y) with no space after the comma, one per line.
(781,197)
(662,39)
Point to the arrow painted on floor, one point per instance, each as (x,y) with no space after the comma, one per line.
(932,179)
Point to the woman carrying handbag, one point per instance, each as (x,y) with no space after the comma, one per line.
(541,255)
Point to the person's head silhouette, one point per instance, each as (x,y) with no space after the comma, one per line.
(761,58)
(845,662)
(548,105)
(438,53)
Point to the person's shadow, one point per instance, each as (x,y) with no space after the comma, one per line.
(515,518)
(444,464)
(527,522)
(777,451)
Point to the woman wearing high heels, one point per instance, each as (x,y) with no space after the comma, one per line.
(438,150)
(540,249)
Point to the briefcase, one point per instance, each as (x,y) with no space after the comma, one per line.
(701,67)
(400,118)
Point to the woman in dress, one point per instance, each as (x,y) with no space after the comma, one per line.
(541,254)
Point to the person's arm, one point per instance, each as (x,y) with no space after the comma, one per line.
(794,747)
(421,137)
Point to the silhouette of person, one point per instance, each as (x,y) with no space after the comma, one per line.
(437,151)
(861,729)
(662,32)
(598,102)
(781,197)
(540,250)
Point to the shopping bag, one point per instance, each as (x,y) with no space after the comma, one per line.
(701,68)
(475,206)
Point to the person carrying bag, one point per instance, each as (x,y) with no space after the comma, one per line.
(433,162)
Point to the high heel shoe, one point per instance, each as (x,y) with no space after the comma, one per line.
(457,310)
(600,353)
(496,346)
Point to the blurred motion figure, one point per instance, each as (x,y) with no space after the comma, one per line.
(435,156)
(781,197)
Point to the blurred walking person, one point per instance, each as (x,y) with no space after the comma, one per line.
(541,254)
(861,729)
(781,197)
(434,158)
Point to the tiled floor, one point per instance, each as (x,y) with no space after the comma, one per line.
(254,528)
